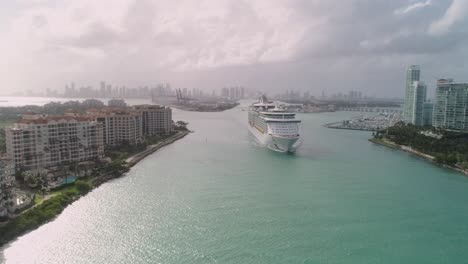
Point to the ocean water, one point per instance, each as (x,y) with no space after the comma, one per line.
(217,197)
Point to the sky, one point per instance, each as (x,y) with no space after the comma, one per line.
(265,45)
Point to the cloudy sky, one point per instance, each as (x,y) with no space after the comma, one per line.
(269,45)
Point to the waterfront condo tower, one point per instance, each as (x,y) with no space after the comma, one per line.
(451,105)
(156,119)
(120,126)
(415,96)
(38,141)
(415,101)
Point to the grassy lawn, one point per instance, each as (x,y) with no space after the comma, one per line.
(71,187)
(38,199)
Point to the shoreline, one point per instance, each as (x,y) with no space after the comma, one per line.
(133,160)
(416,153)
(346,128)
(201,110)
(23,224)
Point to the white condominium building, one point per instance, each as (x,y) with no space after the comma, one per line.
(417,99)
(120,126)
(415,96)
(451,105)
(157,119)
(38,141)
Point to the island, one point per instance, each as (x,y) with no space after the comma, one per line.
(205,106)
(32,197)
(442,147)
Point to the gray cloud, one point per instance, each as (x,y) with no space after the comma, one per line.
(301,44)
(413,7)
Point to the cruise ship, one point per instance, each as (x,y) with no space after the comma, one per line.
(273,127)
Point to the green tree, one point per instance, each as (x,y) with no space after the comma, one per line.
(83,187)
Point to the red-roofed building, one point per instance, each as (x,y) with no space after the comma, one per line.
(38,141)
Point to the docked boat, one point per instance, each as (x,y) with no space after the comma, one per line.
(274,128)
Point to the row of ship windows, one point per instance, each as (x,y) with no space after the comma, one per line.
(260,122)
(285,130)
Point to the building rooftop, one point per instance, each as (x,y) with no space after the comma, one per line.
(42,119)
(442,82)
(110,111)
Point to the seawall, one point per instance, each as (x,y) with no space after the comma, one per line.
(133,160)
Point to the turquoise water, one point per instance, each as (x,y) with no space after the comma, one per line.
(217,197)
(69,179)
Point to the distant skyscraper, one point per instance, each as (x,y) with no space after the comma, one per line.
(415,96)
(451,105)
(102,91)
(225,92)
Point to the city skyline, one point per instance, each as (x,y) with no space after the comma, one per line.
(270,47)
(109,90)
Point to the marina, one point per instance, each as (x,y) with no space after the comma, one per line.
(368,123)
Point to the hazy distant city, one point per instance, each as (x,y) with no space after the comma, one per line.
(108,90)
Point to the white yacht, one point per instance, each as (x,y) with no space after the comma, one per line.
(273,127)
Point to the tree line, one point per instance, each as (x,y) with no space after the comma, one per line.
(447,147)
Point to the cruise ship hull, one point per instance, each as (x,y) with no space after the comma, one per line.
(276,143)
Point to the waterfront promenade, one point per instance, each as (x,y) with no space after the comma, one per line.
(131,161)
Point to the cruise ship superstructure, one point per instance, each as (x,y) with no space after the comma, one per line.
(274,127)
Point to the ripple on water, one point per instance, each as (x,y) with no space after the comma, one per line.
(216,197)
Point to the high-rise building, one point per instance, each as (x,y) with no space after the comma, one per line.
(156,119)
(232,92)
(412,74)
(415,96)
(38,141)
(420,95)
(120,126)
(451,105)
(225,92)
(428,108)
